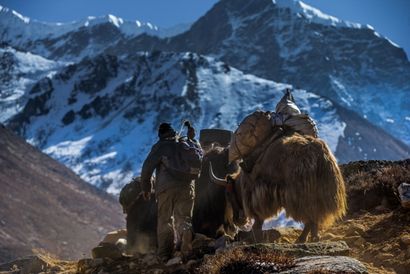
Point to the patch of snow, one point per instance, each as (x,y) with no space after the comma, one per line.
(281,221)
(392,43)
(341,91)
(116,21)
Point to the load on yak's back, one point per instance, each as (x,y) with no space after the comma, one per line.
(256,128)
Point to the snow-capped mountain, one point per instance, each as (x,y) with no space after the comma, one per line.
(19,71)
(97,110)
(100,116)
(73,40)
(288,41)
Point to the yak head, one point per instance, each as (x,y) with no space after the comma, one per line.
(234,206)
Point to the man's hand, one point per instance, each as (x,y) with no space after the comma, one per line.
(146,195)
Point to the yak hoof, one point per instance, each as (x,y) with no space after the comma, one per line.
(300,240)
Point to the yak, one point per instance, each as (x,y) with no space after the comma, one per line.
(207,218)
(295,172)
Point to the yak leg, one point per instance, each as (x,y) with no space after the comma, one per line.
(257,231)
(314,232)
(304,234)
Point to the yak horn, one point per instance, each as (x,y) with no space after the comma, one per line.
(215,179)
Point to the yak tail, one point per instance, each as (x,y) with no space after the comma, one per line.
(315,191)
(330,176)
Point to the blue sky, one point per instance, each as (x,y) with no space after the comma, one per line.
(390,18)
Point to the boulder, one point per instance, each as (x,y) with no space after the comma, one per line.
(326,264)
(405,240)
(174,261)
(113,236)
(106,250)
(322,257)
(404,193)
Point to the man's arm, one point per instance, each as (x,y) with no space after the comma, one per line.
(151,162)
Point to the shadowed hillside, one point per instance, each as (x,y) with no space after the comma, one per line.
(44,205)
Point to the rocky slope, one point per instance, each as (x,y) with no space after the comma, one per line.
(44,205)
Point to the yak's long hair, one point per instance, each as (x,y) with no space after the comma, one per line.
(299,174)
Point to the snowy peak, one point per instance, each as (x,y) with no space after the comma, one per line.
(9,17)
(18,30)
(11,14)
(128,28)
(314,15)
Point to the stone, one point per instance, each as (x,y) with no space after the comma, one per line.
(26,265)
(404,194)
(106,250)
(405,239)
(292,258)
(332,264)
(174,261)
(113,236)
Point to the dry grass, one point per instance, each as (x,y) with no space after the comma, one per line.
(374,183)
(55,265)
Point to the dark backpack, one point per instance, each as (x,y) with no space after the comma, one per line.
(129,194)
(186,161)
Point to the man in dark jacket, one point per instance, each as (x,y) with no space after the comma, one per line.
(175,196)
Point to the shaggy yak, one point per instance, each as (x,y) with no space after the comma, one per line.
(295,172)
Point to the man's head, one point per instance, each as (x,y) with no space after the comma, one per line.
(165,130)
